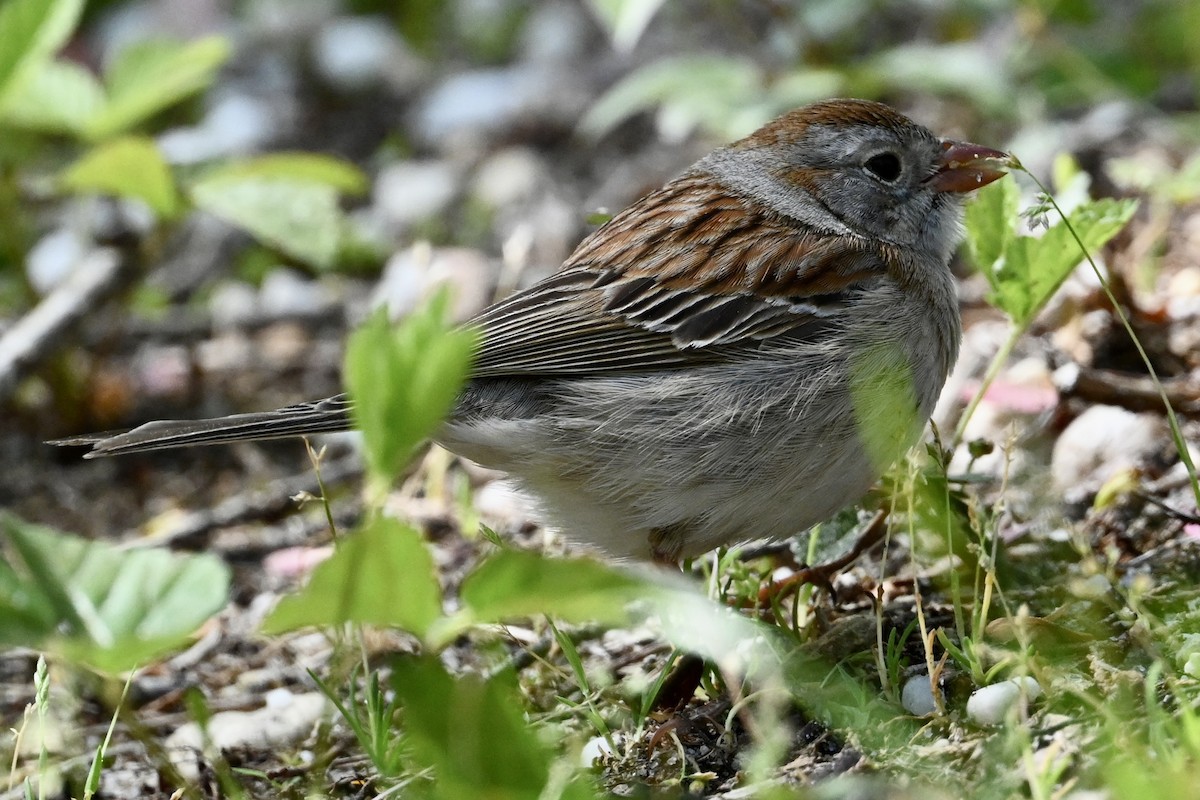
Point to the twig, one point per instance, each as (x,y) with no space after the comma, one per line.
(278,498)
(41,332)
(1133,392)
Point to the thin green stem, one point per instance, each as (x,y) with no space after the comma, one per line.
(993,370)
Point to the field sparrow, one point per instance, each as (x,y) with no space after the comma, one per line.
(737,355)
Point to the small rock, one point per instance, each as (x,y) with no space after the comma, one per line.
(508,177)
(556,33)
(989,705)
(410,191)
(596,748)
(355,53)
(286,293)
(236,124)
(286,718)
(917,696)
(231,303)
(412,276)
(1101,442)
(53,258)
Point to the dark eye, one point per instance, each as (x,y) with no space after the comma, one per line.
(885,166)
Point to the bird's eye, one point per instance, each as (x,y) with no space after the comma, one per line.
(885,166)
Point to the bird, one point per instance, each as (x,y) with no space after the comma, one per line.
(737,355)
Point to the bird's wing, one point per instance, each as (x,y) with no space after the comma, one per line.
(673,282)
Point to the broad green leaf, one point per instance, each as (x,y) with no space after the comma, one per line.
(299,218)
(93,602)
(305,167)
(961,68)
(513,584)
(691,90)
(471,732)
(127,167)
(381,575)
(404,379)
(31,31)
(625,20)
(1034,267)
(990,218)
(58,97)
(151,76)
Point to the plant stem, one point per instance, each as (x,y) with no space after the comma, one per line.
(993,370)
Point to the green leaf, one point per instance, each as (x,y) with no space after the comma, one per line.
(514,584)
(404,379)
(126,167)
(93,602)
(1034,267)
(151,76)
(299,218)
(625,20)
(303,167)
(990,219)
(471,732)
(381,575)
(58,97)
(31,31)
(691,90)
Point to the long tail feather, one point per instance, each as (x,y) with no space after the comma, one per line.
(322,416)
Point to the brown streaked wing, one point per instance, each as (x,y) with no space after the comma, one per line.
(671,282)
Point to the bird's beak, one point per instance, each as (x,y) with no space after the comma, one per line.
(964,167)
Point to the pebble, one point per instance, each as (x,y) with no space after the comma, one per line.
(236,124)
(595,749)
(286,293)
(52,258)
(411,276)
(917,696)
(286,718)
(1101,442)
(407,192)
(508,177)
(989,705)
(356,53)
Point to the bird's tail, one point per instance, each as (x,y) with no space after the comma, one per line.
(322,416)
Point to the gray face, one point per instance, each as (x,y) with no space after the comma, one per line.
(849,179)
(874,180)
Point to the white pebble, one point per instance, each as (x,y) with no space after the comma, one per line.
(52,259)
(596,748)
(917,696)
(989,705)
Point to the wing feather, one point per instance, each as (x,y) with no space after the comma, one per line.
(674,281)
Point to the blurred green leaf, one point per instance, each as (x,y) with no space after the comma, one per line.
(127,167)
(288,201)
(690,91)
(58,97)
(93,602)
(1033,268)
(382,574)
(404,379)
(472,733)
(625,20)
(304,167)
(151,76)
(965,69)
(514,584)
(299,218)
(31,31)
(990,217)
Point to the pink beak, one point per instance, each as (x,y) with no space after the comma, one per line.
(965,167)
